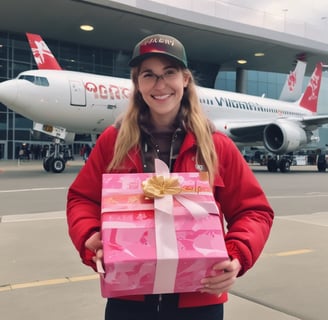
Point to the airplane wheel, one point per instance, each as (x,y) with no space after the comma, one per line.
(322,163)
(272,165)
(57,165)
(47,164)
(322,167)
(284,165)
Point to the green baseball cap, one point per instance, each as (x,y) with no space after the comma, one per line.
(159,44)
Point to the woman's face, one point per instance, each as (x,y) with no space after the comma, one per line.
(161,84)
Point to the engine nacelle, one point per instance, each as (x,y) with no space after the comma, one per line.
(284,136)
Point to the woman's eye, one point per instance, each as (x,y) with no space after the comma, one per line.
(170,72)
(148,75)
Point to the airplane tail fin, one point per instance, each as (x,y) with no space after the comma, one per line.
(310,97)
(292,89)
(42,55)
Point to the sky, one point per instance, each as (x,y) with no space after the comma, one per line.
(310,11)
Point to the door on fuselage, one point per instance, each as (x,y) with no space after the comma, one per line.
(77,91)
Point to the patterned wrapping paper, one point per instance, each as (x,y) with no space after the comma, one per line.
(162,245)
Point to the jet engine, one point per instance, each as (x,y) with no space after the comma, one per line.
(284,136)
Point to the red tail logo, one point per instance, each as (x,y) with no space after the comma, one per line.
(42,54)
(292,81)
(310,98)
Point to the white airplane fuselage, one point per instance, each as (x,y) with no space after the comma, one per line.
(88,103)
(79,102)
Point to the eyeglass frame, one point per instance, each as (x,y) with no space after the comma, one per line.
(164,76)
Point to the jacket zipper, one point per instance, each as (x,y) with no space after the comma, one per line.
(159,303)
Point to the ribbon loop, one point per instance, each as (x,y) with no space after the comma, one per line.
(159,186)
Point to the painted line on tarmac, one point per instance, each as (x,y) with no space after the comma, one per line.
(50,282)
(312,195)
(293,252)
(315,218)
(32,189)
(33,216)
(288,253)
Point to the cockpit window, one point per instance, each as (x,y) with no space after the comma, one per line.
(40,81)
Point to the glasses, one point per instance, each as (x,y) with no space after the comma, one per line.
(150,78)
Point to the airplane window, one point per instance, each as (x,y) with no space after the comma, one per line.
(27,77)
(40,81)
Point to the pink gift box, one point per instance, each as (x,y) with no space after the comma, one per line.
(147,250)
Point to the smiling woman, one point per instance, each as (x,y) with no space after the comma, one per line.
(165,121)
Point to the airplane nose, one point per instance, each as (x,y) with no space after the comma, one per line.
(8,92)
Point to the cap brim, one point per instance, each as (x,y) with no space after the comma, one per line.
(137,60)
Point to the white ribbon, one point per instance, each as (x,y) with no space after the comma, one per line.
(166,241)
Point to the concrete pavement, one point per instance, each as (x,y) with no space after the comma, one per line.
(42,278)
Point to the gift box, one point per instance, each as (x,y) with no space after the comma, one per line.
(161,232)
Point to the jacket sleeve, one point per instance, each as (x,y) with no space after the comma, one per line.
(242,201)
(84,196)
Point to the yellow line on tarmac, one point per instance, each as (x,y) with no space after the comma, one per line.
(288,253)
(293,252)
(49,282)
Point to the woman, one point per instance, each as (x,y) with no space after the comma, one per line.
(165,120)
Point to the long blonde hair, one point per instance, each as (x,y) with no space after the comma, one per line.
(192,114)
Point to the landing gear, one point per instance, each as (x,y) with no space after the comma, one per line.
(55,161)
(283,164)
(322,163)
(47,163)
(58,165)
(272,165)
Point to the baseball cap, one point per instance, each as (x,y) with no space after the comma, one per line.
(159,44)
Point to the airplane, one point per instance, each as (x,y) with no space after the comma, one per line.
(62,103)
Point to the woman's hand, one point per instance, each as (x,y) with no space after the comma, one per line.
(222,278)
(94,244)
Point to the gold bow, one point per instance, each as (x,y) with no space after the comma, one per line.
(159,186)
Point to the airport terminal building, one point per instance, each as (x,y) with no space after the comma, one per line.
(86,56)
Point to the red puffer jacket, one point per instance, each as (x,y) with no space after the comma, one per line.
(239,196)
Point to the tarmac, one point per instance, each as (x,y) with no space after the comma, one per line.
(41,277)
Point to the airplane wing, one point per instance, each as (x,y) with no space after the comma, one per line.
(250,131)
(315,121)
